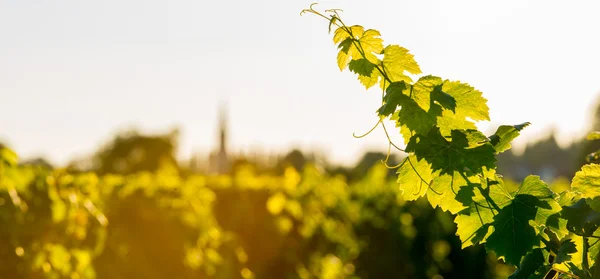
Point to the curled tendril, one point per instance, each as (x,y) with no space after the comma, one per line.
(334,11)
(310,9)
(387,158)
(333,16)
(393,167)
(313,11)
(367,133)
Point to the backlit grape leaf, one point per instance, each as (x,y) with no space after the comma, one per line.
(394,97)
(452,192)
(504,135)
(567,247)
(449,121)
(594,203)
(421,90)
(414,177)
(367,74)
(530,263)
(354,46)
(345,55)
(420,112)
(473,223)
(443,99)
(369,81)
(423,109)
(361,66)
(470,106)
(371,44)
(347,44)
(557,224)
(475,138)
(514,233)
(457,154)
(568,197)
(397,61)
(412,119)
(581,219)
(587,181)
(342,34)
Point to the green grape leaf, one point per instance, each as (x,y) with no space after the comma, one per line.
(397,61)
(361,66)
(504,135)
(369,81)
(452,192)
(514,233)
(455,155)
(594,203)
(371,44)
(587,181)
(394,97)
(470,106)
(469,101)
(529,265)
(412,119)
(421,91)
(473,223)
(593,136)
(344,57)
(475,138)
(414,177)
(444,99)
(556,224)
(367,74)
(354,42)
(568,197)
(581,219)
(342,33)
(345,45)
(567,247)
(420,111)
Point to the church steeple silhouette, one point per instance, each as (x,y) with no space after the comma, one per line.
(223,129)
(218,162)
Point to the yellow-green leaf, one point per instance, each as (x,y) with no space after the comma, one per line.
(587,181)
(414,177)
(397,61)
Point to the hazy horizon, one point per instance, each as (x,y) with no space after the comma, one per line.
(74,73)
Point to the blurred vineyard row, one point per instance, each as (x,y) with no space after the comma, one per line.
(163,224)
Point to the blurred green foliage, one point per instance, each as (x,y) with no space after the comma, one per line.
(164,224)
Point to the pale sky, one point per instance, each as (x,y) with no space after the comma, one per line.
(73,73)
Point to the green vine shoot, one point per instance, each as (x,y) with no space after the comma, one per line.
(453,165)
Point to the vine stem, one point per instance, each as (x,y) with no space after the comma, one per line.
(585,262)
(334,20)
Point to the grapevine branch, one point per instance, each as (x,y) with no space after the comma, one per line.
(359,46)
